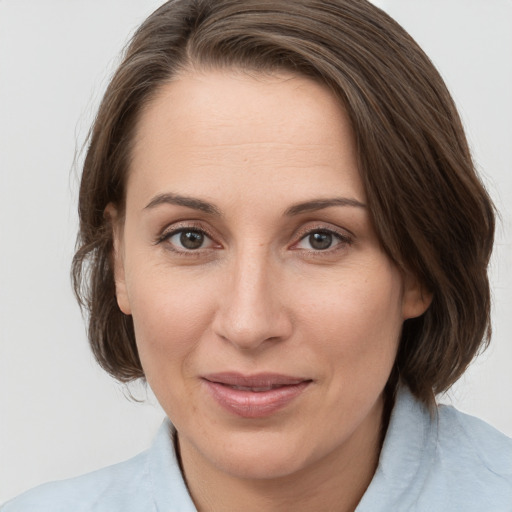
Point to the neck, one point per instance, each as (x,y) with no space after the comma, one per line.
(335,482)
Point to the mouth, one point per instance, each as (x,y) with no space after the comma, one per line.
(254,396)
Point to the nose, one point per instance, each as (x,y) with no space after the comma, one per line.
(252,310)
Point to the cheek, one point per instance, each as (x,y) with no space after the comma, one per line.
(356,319)
(170,318)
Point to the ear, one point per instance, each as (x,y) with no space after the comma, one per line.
(116,222)
(416,297)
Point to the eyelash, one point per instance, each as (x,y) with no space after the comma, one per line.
(343,240)
(167,235)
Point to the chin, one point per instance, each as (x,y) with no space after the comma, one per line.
(260,455)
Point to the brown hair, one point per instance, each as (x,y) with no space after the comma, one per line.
(431,212)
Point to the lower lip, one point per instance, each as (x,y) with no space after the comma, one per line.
(254,404)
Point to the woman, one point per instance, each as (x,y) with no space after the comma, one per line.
(282,232)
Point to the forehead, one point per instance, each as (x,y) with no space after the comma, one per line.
(232,129)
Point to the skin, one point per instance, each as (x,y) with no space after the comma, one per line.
(258,295)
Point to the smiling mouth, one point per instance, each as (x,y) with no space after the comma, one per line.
(255,396)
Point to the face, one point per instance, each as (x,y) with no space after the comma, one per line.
(267,315)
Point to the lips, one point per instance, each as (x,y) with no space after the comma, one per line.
(254,396)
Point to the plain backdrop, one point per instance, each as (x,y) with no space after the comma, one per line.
(59,414)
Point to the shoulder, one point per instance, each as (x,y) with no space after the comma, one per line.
(117,487)
(464,439)
(150,481)
(440,462)
(470,464)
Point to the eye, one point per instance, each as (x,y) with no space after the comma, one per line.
(321,240)
(187,239)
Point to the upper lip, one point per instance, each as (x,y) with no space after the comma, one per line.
(259,380)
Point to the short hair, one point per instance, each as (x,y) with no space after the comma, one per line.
(430,210)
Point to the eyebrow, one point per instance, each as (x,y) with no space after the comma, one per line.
(189,202)
(204,206)
(320,204)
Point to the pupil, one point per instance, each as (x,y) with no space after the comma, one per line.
(191,239)
(320,241)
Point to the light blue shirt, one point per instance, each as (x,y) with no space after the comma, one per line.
(450,462)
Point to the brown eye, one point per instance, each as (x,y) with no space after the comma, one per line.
(191,239)
(187,239)
(320,241)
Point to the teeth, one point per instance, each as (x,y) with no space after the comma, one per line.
(254,390)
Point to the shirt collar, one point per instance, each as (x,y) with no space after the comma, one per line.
(167,485)
(405,459)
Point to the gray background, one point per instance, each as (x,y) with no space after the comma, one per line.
(59,414)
